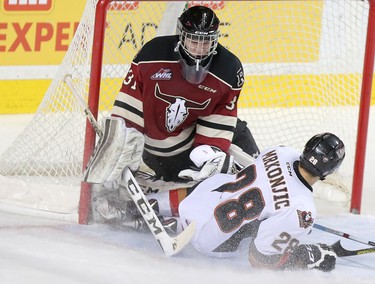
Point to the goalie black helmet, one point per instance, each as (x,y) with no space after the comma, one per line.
(322,155)
(198,33)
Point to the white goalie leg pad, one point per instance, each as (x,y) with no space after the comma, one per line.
(333,189)
(119,147)
(240,157)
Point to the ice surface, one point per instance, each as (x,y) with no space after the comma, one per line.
(40,250)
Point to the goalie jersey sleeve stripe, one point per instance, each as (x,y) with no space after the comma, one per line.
(131,109)
(219,122)
(215,134)
(168,147)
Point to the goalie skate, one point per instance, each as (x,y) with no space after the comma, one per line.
(111,212)
(169,245)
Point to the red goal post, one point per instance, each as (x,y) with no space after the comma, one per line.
(364,113)
(308,69)
(365,98)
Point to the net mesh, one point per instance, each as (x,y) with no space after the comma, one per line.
(303,64)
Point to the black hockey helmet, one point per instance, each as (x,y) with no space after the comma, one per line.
(197,28)
(323,154)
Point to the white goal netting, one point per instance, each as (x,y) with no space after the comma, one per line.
(303,63)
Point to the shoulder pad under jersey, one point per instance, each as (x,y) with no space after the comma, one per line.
(158,49)
(228,67)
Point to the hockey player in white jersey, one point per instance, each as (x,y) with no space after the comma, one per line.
(270,201)
(267,208)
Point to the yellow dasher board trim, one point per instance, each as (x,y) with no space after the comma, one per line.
(302,90)
(21,96)
(24,96)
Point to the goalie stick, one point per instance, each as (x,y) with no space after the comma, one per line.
(82,103)
(344,235)
(342,252)
(169,245)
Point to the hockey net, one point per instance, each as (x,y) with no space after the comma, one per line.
(303,63)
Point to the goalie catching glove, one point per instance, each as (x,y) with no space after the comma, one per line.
(209,161)
(119,147)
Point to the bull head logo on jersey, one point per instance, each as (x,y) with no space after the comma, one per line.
(178,108)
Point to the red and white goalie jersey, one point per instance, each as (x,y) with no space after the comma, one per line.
(173,114)
(268,202)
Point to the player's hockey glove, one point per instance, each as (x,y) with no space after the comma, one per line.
(209,161)
(119,147)
(318,256)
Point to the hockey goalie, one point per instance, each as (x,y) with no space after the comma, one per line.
(176,111)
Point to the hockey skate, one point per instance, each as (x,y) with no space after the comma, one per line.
(126,215)
(139,224)
(109,211)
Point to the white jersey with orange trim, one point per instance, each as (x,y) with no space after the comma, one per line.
(268,201)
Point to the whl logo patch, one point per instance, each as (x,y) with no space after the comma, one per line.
(162,74)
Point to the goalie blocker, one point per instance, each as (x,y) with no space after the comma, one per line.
(119,147)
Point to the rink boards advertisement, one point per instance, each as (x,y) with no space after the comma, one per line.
(35,35)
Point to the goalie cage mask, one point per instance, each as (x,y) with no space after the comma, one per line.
(198,33)
(322,155)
